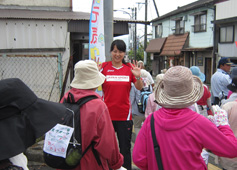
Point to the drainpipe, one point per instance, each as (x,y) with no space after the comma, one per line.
(215,42)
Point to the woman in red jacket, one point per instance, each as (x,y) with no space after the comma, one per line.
(96,125)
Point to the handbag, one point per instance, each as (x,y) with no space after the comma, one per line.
(156,145)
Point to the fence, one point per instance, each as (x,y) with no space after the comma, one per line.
(42,73)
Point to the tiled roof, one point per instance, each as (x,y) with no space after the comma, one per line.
(174,44)
(155,45)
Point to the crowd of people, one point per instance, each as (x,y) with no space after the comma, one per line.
(189,119)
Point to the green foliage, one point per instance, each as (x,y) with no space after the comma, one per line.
(140,56)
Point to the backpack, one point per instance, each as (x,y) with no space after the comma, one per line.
(74,151)
(142,102)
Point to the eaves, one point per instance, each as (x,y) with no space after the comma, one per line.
(54,15)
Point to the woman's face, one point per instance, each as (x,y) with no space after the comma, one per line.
(117,56)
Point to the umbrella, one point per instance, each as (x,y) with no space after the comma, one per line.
(24,117)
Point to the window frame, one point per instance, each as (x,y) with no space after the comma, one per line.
(226,32)
(179,26)
(158,31)
(197,27)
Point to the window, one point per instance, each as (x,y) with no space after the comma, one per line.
(179,27)
(158,31)
(200,23)
(227,34)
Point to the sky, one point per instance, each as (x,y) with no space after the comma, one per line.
(163,6)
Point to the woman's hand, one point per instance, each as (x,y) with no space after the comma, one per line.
(136,71)
(98,63)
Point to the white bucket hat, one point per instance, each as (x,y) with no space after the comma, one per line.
(178,88)
(87,75)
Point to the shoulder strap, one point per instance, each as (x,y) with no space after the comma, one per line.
(156,145)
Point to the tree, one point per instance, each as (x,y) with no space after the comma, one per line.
(140,56)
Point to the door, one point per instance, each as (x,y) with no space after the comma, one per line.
(208,70)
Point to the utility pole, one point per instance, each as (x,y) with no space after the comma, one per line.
(108,26)
(135,35)
(156,8)
(145,38)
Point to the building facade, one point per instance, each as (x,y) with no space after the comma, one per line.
(189,38)
(226,30)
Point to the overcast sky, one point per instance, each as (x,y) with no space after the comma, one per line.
(163,6)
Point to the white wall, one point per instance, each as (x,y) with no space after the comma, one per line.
(33,34)
(226,9)
(54,3)
(228,49)
(201,39)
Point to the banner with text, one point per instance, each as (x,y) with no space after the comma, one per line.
(96,34)
(96,31)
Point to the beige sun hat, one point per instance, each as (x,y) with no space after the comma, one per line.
(87,75)
(159,77)
(178,88)
(144,76)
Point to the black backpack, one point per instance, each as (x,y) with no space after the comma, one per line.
(74,151)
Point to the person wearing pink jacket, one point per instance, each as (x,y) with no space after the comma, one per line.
(180,132)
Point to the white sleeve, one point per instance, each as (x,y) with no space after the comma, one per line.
(20,160)
(150,78)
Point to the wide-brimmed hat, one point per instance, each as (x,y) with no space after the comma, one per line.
(197,72)
(178,88)
(87,75)
(145,77)
(159,77)
(24,117)
(233,85)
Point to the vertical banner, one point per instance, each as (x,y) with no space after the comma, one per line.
(96,34)
(96,31)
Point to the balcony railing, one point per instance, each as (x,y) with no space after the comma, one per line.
(199,27)
(178,30)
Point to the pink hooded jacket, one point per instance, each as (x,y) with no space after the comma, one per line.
(182,134)
(96,126)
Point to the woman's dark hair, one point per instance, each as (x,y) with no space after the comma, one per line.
(121,46)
